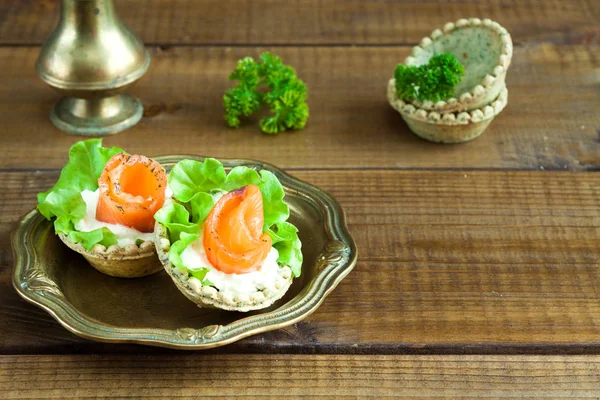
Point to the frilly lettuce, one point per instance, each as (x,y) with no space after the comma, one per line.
(188,177)
(177,220)
(86,161)
(284,237)
(194,183)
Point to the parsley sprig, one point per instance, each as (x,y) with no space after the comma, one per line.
(433,81)
(286,95)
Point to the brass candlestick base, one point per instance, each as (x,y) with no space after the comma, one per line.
(91,58)
(96,117)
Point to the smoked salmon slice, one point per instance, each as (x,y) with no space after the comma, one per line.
(132,190)
(233,237)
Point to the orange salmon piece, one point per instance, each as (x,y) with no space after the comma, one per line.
(233,239)
(132,190)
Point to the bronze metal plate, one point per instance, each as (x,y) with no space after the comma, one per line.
(151,310)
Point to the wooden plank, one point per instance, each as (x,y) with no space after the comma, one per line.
(449,262)
(312,21)
(289,376)
(550,122)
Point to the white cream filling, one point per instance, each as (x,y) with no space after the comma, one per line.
(194,257)
(125,235)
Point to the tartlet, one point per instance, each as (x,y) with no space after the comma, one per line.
(208,296)
(129,261)
(225,237)
(103,207)
(484,48)
(456,127)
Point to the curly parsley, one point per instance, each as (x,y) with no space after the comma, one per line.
(286,95)
(433,81)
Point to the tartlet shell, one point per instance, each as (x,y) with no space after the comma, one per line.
(448,127)
(130,261)
(492,83)
(210,298)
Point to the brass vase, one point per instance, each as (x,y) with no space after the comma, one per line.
(91,58)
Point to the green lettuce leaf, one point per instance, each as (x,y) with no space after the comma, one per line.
(179,246)
(86,161)
(240,176)
(175,257)
(64,224)
(189,177)
(201,204)
(285,239)
(193,184)
(63,201)
(177,220)
(103,236)
(272,193)
(200,274)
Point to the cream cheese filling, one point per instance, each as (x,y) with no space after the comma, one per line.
(267,277)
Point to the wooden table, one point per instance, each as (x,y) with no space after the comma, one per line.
(478,263)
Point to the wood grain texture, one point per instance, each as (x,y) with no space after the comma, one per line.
(551,121)
(313,21)
(449,262)
(458,254)
(289,376)
(293,376)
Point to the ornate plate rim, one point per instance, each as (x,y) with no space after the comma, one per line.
(338,259)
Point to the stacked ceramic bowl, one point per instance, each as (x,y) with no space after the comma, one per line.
(485,49)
